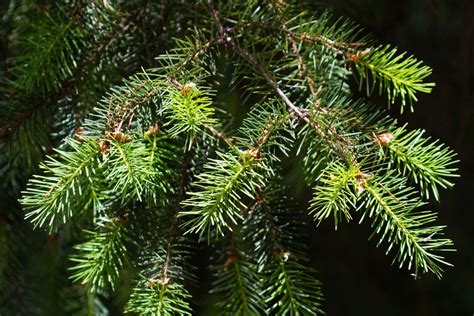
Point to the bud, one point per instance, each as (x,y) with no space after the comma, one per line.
(252,153)
(361,182)
(280,253)
(163,280)
(152,131)
(104,146)
(121,219)
(79,135)
(232,256)
(358,55)
(188,88)
(383,138)
(255,153)
(121,137)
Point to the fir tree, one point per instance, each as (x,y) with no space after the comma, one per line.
(121,160)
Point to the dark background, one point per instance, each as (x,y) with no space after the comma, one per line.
(358,278)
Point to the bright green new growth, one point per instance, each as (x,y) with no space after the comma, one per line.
(334,196)
(399,221)
(401,77)
(221,190)
(149,169)
(189,111)
(429,163)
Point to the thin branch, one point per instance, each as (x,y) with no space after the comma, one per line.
(301,113)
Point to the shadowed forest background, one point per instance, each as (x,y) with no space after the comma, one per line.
(358,278)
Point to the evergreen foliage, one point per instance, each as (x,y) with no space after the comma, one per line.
(117,139)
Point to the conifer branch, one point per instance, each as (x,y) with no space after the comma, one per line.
(401,77)
(189,111)
(50,197)
(139,170)
(162,292)
(159,157)
(430,164)
(333,195)
(236,175)
(292,290)
(225,182)
(159,299)
(400,222)
(299,112)
(237,281)
(172,237)
(289,287)
(99,262)
(58,43)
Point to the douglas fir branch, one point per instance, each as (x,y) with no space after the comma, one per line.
(124,159)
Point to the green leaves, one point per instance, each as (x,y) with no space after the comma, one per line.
(49,56)
(400,222)
(100,260)
(219,192)
(189,111)
(139,170)
(67,186)
(237,283)
(292,289)
(159,299)
(429,163)
(334,195)
(399,76)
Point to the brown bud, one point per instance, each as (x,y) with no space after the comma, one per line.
(122,219)
(163,280)
(104,146)
(79,135)
(121,137)
(152,131)
(361,182)
(254,153)
(232,256)
(280,253)
(383,138)
(358,55)
(188,88)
